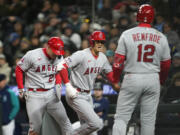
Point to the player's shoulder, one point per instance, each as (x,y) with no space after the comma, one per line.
(163,37)
(156,31)
(34,51)
(102,55)
(129,30)
(80,52)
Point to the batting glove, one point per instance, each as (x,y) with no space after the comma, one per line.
(21,93)
(58,88)
(71,91)
(60,65)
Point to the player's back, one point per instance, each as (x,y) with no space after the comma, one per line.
(144,48)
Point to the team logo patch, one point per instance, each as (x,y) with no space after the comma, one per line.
(101,35)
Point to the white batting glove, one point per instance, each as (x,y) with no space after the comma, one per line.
(60,65)
(71,91)
(58,88)
(21,93)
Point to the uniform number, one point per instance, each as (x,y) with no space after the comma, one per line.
(148,51)
(51,78)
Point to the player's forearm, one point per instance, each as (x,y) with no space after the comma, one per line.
(58,79)
(118,66)
(110,77)
(165,66)
(64,74)
(19,77)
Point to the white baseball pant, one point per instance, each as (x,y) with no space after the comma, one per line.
(142,88)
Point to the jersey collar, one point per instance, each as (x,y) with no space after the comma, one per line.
(45,53)
(144,25)
(93,54)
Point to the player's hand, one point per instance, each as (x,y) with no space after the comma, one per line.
(21,93)
(116,87)
(60,65)
(71,91)
(58,88)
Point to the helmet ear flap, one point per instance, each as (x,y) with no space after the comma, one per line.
(91,42)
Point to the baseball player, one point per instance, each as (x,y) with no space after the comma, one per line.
(39,66)
(85,65)
(147,56)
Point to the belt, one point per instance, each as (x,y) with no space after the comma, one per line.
(81,90)
(37,89)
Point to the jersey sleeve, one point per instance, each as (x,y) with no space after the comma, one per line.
(74,59)
(25,63)
(166,50)
(121,48)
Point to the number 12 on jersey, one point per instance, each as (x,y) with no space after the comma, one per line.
(144,52)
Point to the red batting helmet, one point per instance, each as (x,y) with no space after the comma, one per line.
(145,14)
(97,36)
(56,45)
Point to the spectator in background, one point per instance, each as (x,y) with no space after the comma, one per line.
(11,47)
(101,106)
(1,47)
(84,44)
(159,22)
(104,9)
(4,67)
(8,26)
(175,67)
(119,10)
(123,24)
(10,106)
(24,46)
(84,30)
(57,9)
(18,28)
(112,45)
(12,80)
(176,23)
(68,40)
(115,32)
(106,29)
(172,37)
(52,26)
(35,30)
(46,9)
(132,17)
(35,43)
(74,19)
(17,7)
(173,92)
